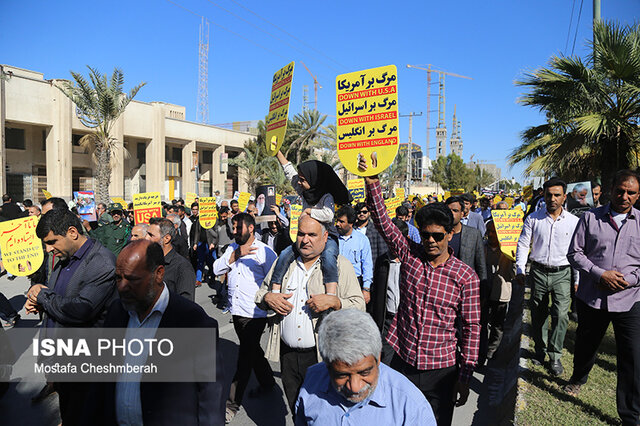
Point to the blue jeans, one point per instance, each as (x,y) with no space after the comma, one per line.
(328,262)
(203,256)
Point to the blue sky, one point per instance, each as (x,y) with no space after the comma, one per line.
(155,41)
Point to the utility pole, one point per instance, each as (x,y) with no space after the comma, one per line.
(596,19)
(203,72)
(409,151)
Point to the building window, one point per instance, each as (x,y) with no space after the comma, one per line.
(141,152)
(207,156)
(75,139)
(44,140)
(14,138)
(177,154)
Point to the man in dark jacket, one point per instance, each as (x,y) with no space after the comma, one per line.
(11,210)
(144,298)
(81,286)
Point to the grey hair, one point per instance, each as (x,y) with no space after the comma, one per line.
(348,335)
(174,218)
(143,226)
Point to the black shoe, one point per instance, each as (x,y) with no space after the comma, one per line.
(538,359)
(261,391)
(556,367)
(45,392)
(573,316)
(12,277)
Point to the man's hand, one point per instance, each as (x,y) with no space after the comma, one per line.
(32,295)
(212,246)
(367,296)
(362,165)
(322,302)
(278,302)
(241,251)
(521,279)
(275,208)
(307,211)
(86,225)
(461,389)
(32,308)
(613,281)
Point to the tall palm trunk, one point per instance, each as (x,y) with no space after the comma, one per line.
(103,171)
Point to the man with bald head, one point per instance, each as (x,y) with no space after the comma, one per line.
(293,339)
(146,303)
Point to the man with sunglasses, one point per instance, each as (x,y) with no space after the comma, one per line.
(365,226)
(605,250)
(436,288)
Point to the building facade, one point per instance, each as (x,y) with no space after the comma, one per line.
(158,149)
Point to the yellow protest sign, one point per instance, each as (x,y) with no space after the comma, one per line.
(419,203)
(457,191)
(243,200)
(441,197)
(508,227)
(497,199)
(121,201)
(278,199)
(446,195)
(46,193)
(278,116)
(190,198)
(146,206)
(356,188)
(527,192)
(296,211)
(392,204)
(367,111)
(22,252)
(208,212)
(509,201)
(400,193)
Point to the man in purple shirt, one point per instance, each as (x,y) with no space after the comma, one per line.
(605,250)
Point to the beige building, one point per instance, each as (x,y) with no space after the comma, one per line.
(40,133)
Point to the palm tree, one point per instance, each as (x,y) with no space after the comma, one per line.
(396,174)
(592,109)
(306,130)
(253,161)
(99,103)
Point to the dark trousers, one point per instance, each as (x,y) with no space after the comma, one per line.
(250,357)
(7,312)
(387,350)
(72,399)
(497,315)
(294,364)
(592,326)
(436,385)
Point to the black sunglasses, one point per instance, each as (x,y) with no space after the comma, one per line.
(363,212)
(437,236)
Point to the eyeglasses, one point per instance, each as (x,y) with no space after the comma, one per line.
(363,212)
(437,236)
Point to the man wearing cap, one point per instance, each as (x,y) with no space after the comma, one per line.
(114,235)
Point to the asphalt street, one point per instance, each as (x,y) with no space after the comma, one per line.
(270,410)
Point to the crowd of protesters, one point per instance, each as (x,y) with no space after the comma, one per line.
(399,313)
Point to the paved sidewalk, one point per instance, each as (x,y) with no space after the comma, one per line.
(16,407)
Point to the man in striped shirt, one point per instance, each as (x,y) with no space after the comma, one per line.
(437,288)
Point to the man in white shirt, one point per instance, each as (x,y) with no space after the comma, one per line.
(548,232)
(292,337)
(246,262)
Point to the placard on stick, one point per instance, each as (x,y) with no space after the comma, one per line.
(22,252)
(508,225)
(146,205)
(278,116)
(296,211)
(367,111)
(208,212)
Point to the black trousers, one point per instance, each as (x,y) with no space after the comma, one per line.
(250,358)
(294,364)
(592,326)
(72,398)
(387,350)
(436,385)
(7,312)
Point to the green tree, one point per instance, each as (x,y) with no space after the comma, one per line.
(592,109)
(99,102)
(482,178)
(306,132)
(396,174)
(450,172)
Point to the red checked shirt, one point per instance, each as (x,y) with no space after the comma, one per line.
(423,332)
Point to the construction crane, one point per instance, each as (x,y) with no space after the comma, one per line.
(316,85)
(441,73)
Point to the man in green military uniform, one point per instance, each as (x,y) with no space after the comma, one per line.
(113,235)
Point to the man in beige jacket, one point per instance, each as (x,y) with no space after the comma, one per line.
(292,334)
